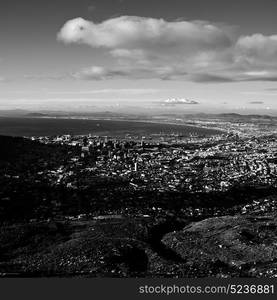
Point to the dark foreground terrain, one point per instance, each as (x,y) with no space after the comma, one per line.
(125,246)
(103,229)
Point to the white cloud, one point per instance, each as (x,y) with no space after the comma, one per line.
(189,50)
(257,73)
(130,32)
(257,50)
(175,101)
(135,72)
(94,72)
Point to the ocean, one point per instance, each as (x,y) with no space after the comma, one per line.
(56,126)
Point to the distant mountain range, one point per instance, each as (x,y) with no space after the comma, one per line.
(114,115)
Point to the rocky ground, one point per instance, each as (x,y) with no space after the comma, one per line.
(124,246)
(230,245)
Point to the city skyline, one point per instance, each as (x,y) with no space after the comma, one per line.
(134,56)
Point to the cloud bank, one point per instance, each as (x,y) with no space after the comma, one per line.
(175,101)
(129,32)
(198,51)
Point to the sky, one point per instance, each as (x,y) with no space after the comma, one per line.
(127,55)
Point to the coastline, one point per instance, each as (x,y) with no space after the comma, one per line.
(17,126)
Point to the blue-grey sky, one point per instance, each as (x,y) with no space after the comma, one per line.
(115,54)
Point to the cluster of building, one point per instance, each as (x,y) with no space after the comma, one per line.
(170,162)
